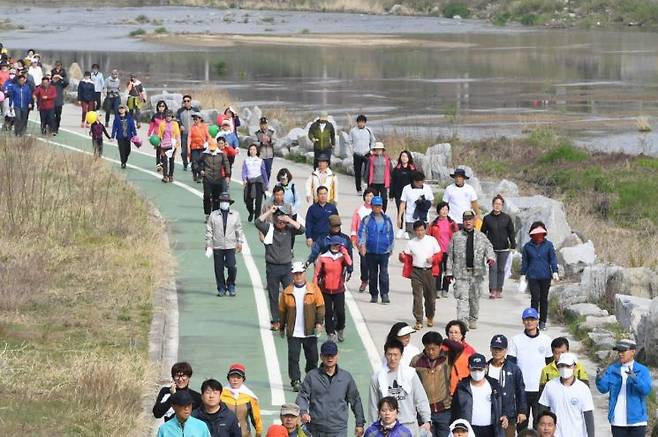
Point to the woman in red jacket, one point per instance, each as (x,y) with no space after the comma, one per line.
(45,95)
(330,277)
(443,228)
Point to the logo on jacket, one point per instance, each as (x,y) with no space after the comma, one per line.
(396,391)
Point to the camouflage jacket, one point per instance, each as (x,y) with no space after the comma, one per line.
(482,251)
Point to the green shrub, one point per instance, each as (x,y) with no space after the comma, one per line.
(137,32)
(160,30)
(529,19)
(564,153)
(452,9)
(142,19)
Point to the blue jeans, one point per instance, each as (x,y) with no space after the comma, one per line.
(441,424)
(378,269)
(268,167)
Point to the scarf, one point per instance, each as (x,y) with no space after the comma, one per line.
(235,392)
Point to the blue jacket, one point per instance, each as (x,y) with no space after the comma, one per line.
(321,246)
(539,261)
(317,220)
(231,138)
(86,91)
(193,428)
(20,97)
(513,387)
(398,430)
(377,237)
(117,132)
(638,388)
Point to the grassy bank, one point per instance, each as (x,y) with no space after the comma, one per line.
(79,259)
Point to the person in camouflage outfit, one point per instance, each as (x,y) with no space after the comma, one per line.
(468,254)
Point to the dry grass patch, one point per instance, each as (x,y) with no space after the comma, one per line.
(212,98)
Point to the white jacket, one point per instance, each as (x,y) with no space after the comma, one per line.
(328,179)
(215,235)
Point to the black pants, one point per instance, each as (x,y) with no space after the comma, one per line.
(47,117)
(539,296)
(58,117)
(20,121)
(111,107)
(484,431)
(380,190)
(295,345)
(211,192)
(532,405)
(334,312)
(183,150)
(194,159)
(254,204)
(167,164)
(316,155)
(442,282)
(158,151)
(97,143)
(628,431)
(360,162)
(97,101)
(278,277)
(124,149)
(224,258)
(363,265)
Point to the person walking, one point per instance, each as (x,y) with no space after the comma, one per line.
(330,271)
(402,383)
(510,378)
(169,134)
(20,96)
(302,312)
(531,351)
(86,97)
(468,254)
(45,96)
(323,136)
(290,195)
(479,400)
(184,118)
(376,238)
(230,115)
(559,346)
(401,331)
(538,267)
(158,117)
(214,169)
(123,129)
(322,176)
(378,172)
(181,373)
(443,228)
(456,343)
(136,98)
(8,105)
(289,415)
(499,229)
(317,217)
(388,424)
(60,84)
(321,246)
(629,384)
(255,180)
(415,202)
(96,131)
(359,214)
(182,423)
(326,394)
(266,137)
(224,237)
(421,260)
(400,178)
(239,399)
(219,419)
(460,196)
(197,138)
(278,256)
(112,87)
(461,428)
(362,142)
(277,199)
(99,83)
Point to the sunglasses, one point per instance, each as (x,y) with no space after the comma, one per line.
(186,100)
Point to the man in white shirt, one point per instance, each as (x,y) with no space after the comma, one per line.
(362,142)
(531,351)
(460,196)
(570,400)
(415,202)
(425,254)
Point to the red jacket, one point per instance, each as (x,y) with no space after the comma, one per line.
(407,264)
(329,272)
(444,240)
(45,97)
(387,172)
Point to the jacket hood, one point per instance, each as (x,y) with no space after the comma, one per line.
(464,422)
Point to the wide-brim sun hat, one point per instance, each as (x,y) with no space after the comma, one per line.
(538,230)
(405,330)
(459,172)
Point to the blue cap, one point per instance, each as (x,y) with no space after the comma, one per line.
(499,341)
(328,348)
(477,361)
(335,239)
(377,201)
(181,397)
(530,313)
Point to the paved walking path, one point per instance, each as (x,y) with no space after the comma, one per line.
(215,332)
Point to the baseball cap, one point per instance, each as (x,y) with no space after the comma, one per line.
(499,341)
(624,345)
(237,369)
(567,358)
(377,201)
(335,239)
(405,330)
(328,348)
(477,361)
(468,214)
(298,267)
(181,397)
(290,409)
(530,313)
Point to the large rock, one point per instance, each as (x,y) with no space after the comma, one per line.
(247,140)
(568,294)
(507,189)
(602,339)
(647,336)
(440,162)
(540,208)
(594,322)
(576,258)
(629,311)
(584,310)
(639,281)
(599,281)
(348,165)
(173,100)
(209,116)
(422,162)
(343,147)
(253,121)
(75,72)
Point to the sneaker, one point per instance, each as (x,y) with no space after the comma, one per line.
(198,181)
(184,168)
(194,177)
(207,216)
(296,385)
(373,299)
(406,236)
(275,326)
(359,193)
(123,165)
(363,286)
(542,326)
(385,299)
(418,326)
(164,179)
(430,322)
(400,234)
(472,324)
(499,294)
(82,125)
(231,290)
(158,168)
(221,292)
(341,335)
(170,179)
(251,217)
(492,295)
(333,337)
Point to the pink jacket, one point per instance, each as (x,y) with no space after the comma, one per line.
(443,230)
(357,217)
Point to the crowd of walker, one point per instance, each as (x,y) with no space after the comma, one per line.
(447,389)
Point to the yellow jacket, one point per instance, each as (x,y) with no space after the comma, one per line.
(175,129)
(550,371)
(246,409)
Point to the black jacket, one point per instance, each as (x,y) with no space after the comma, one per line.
(162,404)
(223,423)
(400,178)
(500,231)
(462,404)
(511,381)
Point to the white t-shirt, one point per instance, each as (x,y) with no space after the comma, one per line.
(420,250)
(494,372)
(481,415)
(299,293)
(568,403)
(620,417)
(531,354)
(459,199)
(410,195)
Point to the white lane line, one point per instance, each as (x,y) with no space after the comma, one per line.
(266,335)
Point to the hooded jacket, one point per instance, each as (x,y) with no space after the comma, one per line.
(471,433)
(223,423)
(86,91)
(378,237)
(322,139)
(462,404)
(20,97)
(46,97)
(329,271)
(511,382)
(539,260)
(313,308)
(414,401)
(378,430)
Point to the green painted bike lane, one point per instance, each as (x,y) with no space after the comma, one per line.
(215,332)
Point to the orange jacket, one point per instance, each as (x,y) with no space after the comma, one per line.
(198,136)
(460,366)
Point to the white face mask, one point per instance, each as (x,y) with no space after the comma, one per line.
(477,375)
(224,206)
(566,372)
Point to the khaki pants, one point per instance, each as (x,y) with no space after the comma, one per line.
(423,286)
(467,292)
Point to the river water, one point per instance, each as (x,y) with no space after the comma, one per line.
(456,77)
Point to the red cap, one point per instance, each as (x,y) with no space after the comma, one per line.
(277,431)
(237,369)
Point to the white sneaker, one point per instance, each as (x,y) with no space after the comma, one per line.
(406,235)
(400,234)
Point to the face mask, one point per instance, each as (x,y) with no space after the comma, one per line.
(566,372)
(224,206)
(477,375)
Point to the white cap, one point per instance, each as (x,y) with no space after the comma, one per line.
(298,267)
(405,330)
(567,358)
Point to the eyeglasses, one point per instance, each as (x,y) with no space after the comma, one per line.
(186,101)
(180,376)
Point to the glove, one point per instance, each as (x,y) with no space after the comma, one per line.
(556,277)
(208,252)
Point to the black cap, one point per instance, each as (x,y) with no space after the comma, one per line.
(328,348)
(499,341)
(181,397)
(263,119)
(477,361)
